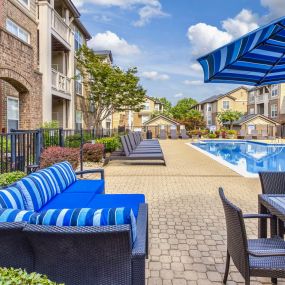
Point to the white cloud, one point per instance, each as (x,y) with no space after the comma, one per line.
(154,75)
(193,82)
(111,41)
(276,9)
(148,12)
(148,9)
(241,24)
(205,38)
(178,95)
(196,67)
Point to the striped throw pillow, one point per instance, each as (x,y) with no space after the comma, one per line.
(36,191)
(64,174)
(50,178)
(11,198)
(89,217)
(12,215)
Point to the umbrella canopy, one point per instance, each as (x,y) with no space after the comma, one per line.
(254,59)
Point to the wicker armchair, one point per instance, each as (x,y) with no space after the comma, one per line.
(256,257)
(272,182)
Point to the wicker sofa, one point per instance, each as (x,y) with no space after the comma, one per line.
(79,254)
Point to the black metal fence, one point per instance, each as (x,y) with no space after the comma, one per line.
(21,150)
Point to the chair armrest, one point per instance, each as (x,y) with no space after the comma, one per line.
(267,253)
(140,246)
(257,216)
(89,171)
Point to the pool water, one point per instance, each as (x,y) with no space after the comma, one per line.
(246,157)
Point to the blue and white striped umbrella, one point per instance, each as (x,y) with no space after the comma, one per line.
(257,58)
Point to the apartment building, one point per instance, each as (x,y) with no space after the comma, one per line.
(268,101)
(20,79)
(61,34)
(131,119)
(234,100)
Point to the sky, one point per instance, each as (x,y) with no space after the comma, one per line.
(164,38)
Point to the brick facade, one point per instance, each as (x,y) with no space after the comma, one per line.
(19,65)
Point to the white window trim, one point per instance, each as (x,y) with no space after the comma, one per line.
(18,101)
(24,4)
(18,28)
(78,82)
(276,110)
(228,105)
(79,39)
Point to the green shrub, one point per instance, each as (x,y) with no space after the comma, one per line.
(212,136)
(11,177)
(111,144)
(231,132)
(18,276)
(50,125)
(75,140)
(56,154)
(93,152)
(5,145)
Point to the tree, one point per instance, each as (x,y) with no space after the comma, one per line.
(193,120)
(167,108)
(229,116)
(182,108)
(111,89)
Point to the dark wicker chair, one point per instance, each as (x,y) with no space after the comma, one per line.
(272,182)
(255,257)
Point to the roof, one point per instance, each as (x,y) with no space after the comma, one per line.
(162,117)
(220,96)
(246,118)
(83,29)
(155,100)
(107,53)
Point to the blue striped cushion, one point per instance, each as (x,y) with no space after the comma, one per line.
(89,217)
(11,198)
(35,191)
(12,215)
(64,174)
(50,179)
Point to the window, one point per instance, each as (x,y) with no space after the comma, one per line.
(78,82)
(226,105)
(274,90)
(146,106)
(209,121)
(145,119)
(26,3)
(274,112)
(12,113)
(78,40)
(209,108)
(78,120)
(17,31)
(251,97)
(251,111)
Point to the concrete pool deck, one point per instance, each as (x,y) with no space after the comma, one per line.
(186,219)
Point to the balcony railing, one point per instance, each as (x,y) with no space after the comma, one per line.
(60,26)
(60,82)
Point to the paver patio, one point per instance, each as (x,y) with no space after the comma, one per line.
(186,219)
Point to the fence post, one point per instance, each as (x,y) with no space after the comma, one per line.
(81,151)
(38,146)
(13,150)
(61,138)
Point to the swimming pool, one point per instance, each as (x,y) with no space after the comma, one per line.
(245,157)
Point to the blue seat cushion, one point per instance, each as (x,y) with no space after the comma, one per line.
(12,198)
(13,215)
(86,186)
(117,201)
(69,201)
(88,217)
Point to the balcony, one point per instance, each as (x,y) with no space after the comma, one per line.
(262,98)
(60,82)
(60,28)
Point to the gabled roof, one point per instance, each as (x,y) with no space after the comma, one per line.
(162,117)
(246,118)
(82,29)
(153,99)
(221,96)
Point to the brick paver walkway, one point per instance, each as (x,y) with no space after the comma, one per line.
(187,228)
